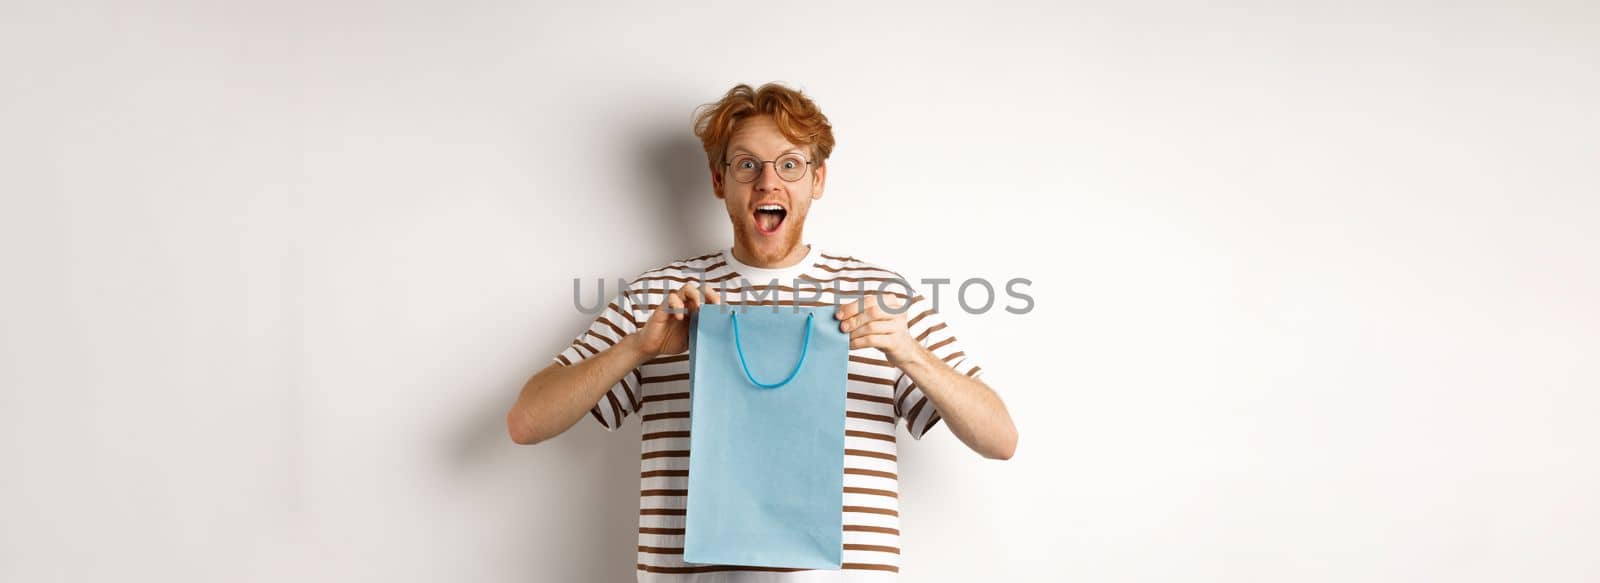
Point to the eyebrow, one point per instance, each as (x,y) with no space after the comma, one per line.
(794,150)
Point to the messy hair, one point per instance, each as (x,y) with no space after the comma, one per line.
(798,119)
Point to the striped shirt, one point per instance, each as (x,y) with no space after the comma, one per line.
(878,397)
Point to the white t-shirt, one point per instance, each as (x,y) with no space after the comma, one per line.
(878,397)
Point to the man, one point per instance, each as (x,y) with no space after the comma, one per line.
(767,149)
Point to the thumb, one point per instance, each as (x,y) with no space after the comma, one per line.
(657,316)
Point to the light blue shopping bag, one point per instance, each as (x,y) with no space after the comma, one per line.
(766,439)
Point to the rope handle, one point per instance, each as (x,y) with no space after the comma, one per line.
(805,346)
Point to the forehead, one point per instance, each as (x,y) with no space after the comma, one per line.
(759,135)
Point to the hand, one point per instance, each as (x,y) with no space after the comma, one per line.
(871,324)
(668,333)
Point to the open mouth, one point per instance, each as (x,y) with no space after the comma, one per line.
(769,217)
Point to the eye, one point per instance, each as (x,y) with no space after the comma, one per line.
(745,163)
(790,164)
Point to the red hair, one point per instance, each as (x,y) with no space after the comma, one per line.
(798,119)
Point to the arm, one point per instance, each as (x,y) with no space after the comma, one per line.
(557,397)
(972,410)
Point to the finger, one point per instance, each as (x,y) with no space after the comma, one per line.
(862,319)
(892,304)
(657,317)
(873,327)
(713,296)
(692,296)
(847,310)
(675,301)
(869,341)
(880,304)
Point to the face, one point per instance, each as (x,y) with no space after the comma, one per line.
(768,213)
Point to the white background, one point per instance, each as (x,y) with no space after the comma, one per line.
(1316,285)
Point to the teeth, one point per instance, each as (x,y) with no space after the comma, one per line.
(769,207)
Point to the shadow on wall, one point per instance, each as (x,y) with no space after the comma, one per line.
(569,505)
(573,508)
(696,221)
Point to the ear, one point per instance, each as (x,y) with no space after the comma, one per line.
(716,181)
(818,178)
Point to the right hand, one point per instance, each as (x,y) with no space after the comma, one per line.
(666,333)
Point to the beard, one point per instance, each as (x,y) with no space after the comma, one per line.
(768,249)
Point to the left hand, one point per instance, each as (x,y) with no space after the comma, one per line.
(879,326)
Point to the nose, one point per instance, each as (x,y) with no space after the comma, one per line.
(768,181)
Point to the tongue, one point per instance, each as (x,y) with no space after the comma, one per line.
(768,220)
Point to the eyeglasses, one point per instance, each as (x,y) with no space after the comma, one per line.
(790,167)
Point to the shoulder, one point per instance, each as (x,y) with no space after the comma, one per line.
(677,272)
(834,265)
(854,274)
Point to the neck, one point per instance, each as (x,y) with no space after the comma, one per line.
(789,260)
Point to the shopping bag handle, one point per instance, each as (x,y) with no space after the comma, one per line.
(805,346)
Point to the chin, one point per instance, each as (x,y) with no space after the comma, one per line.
(770,248)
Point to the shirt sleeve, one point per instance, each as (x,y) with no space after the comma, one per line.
(930,330)
(617,320)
